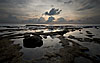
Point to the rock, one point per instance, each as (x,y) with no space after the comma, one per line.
(96,27)
(61,32)
(10,53)
(88,27)
(32,41)
(88,40)
(26,35)
(81,33)
(73,30)
(45,36)
(90,35)
(79,39)
(88,32)
(84,49)
(39,36)
(96,40)
(72,37)
(98,56)
(79,29)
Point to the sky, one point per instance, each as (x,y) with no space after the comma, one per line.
(34,11)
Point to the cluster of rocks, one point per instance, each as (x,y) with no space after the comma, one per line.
(69,53)
(97,40)
(9,53)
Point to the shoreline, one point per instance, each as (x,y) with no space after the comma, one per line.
(70,49)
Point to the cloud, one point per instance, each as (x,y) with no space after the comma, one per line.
(14,1)
(34,20)
(50,19)
(68,2)
(53,11)
(93,19)
(65,1)
(41,19)
(90,4)
(86,8)
(5,1)
(27,9)
(61,19)
(9,19)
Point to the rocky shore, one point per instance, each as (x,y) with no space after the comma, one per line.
(10,53)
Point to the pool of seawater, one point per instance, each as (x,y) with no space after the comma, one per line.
(49,45)
(94,48)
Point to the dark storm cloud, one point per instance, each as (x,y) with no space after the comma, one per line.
(53,11)
(90,4)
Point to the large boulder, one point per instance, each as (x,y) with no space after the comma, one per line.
(32,41)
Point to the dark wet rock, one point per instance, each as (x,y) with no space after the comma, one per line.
(82,60)
(72,37)
(88,27)
(9,53)
(98,56)
(90,35)
(60,42)
(73,30)
(76,50)
(38,36)
(84,49)
(81,33)
(48,46)
(26,35)
(88,32)
(64,42)
(62,32)
(33,41)
(67,56)
(96,27)
(96,40)
(79,39)
(52,57)
(41,32)
(79,29)
(88,40)
(45,36)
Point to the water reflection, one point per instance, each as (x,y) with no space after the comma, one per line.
(93,46)
(49,45)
